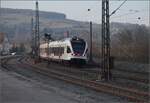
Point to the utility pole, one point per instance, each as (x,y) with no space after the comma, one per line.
(37,35)
(0,31)
(91,59)
(0,8)
(48,38)
(32,38)
(105,73)
(107,61)
(0,12)
(90,56)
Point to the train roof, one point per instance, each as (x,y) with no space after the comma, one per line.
(58,42)
(61,42)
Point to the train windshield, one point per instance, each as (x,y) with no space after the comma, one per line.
(78,46)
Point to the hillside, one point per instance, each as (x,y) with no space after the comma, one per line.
(128,41)
(16,22)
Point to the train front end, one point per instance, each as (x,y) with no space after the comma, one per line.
(79,51)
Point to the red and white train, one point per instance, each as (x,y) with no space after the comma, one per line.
(72,50)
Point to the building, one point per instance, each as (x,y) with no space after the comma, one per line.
(4,44)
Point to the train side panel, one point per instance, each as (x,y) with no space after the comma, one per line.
(63,51)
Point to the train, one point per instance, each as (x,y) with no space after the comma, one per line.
(69,50)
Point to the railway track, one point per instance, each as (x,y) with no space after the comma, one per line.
(98,86)
(92,74)
(68,70)
(132,95)
(139,77)
(131,80)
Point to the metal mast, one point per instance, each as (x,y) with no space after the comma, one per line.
(37,36)
(0,8)
(0,11)
(32,37)
(105,40)
(91,56)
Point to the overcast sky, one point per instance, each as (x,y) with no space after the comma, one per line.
(78,10)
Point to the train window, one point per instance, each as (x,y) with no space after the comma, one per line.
(62,50)
(56,50)
(78,46)
(53,50)
(50,50)
(68,49)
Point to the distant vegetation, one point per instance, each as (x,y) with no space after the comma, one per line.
(129,42)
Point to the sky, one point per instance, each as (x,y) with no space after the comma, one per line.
(133,11)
